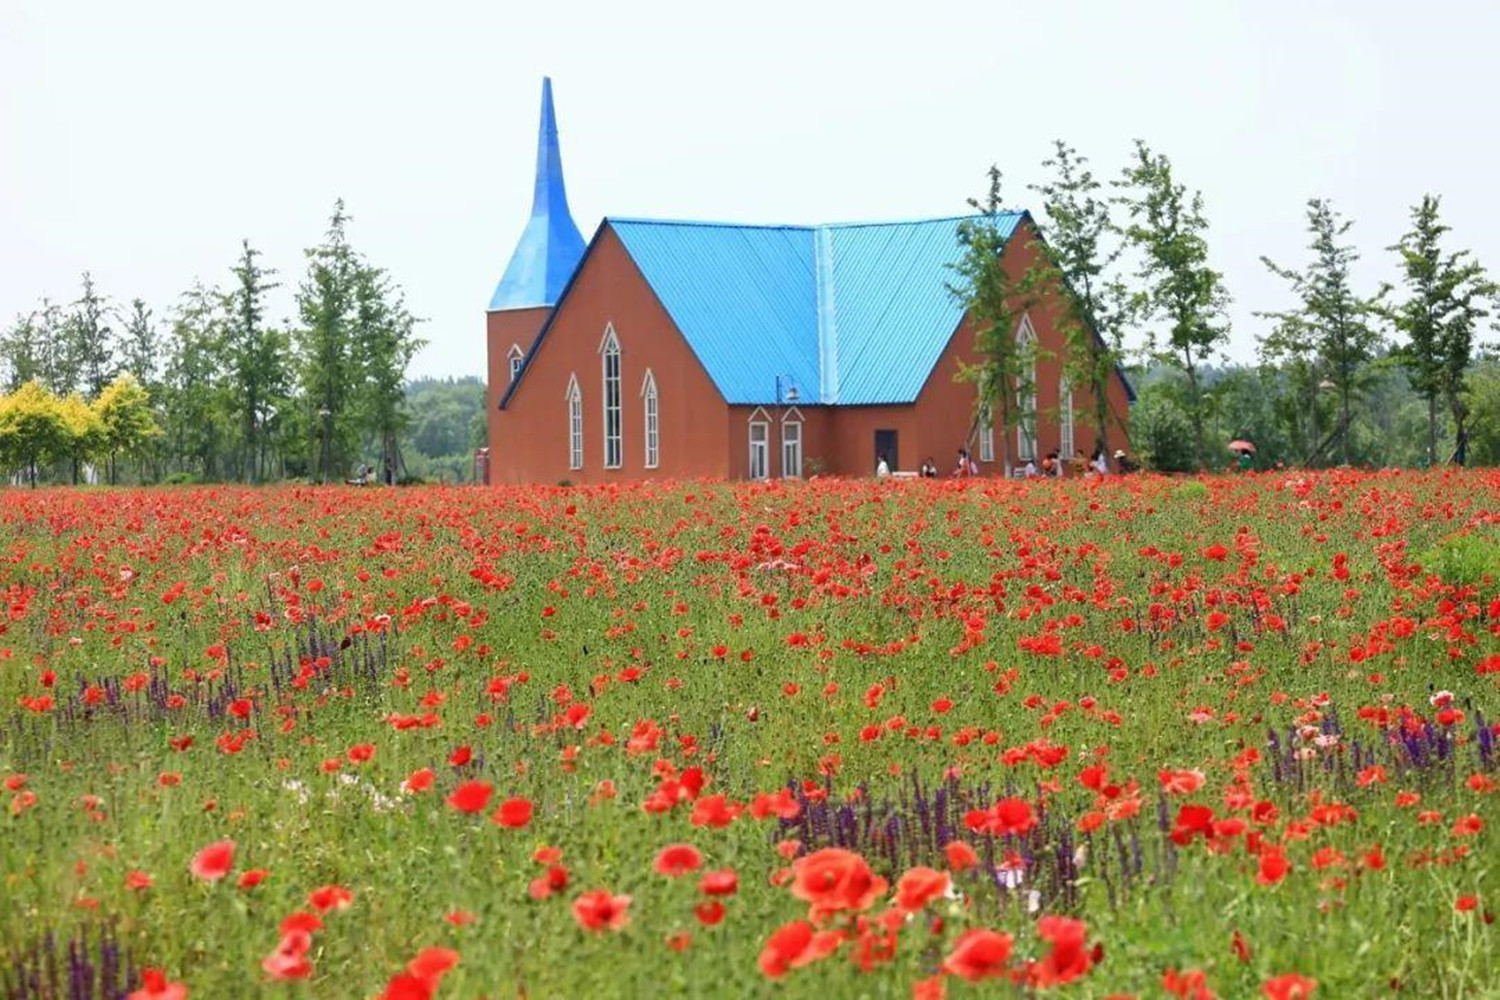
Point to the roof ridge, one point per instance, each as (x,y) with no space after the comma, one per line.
(803,228)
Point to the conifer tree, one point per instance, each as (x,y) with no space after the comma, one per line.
(1329,334)
(1182,292)
(1446,295)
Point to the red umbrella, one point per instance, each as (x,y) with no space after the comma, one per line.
(1241,445)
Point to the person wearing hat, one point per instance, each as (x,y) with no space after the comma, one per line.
(1124,461)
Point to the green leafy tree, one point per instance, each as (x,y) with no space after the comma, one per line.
(23,352)
(140,345)
(195,402)
(1446,295)
(88,342)
(328,366)
(1181,292)
(86,436)
(1079,245)
(259,359)
(384,343)
(124,411)
(1162,429)
(994,300)
(1329,331)
(34,429)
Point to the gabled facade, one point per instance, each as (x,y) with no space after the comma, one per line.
(681,349)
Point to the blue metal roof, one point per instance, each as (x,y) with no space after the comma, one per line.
(551,246)
(855,314)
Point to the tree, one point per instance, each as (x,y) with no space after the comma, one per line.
(1329,332)
(1167,228)
(24,352)
(327,365)
(384,343)
(87,342)
(124,411)
(140,346)
(993,299)
(1444,303)
(33,429)
(1079,225)
(195,400)
(85,438)
(259,361)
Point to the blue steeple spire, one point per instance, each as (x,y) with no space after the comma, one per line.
(551,246)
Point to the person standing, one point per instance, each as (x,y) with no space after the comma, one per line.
(882,470)
(1100,464)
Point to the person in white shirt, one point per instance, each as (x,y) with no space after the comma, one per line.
(1100,463)
(881,468)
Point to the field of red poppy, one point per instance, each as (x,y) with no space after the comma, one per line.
(1226,737)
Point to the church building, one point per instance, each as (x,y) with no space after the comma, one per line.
(701,349)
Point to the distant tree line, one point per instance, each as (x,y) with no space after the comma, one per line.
(215,389)
(1394,375)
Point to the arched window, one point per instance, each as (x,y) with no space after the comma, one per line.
(609,350)
(515,357)
(760,445)
(1026,392)
(575,424)
(652,420)
(791,444)
(1065,419)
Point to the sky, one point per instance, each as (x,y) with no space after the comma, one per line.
(143,141)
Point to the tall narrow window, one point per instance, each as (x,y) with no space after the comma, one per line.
(1026,392)
(515,357)
(610,362)
(760,449)
(575,424)
(791,445)
(986,436)
(649,411)
(1065,419)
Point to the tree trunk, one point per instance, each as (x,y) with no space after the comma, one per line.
(1197,404)
(1312,421)
(1431,430)
(1344,423)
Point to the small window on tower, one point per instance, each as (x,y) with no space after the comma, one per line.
(515,357)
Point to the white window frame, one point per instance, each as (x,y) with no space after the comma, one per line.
(1065,419)
(1026,404)
(611,407)
(986,435)
(651,419)
(515,357)
(791,445)
(574,397)
(759,452)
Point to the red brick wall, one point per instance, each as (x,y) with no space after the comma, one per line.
(529,439)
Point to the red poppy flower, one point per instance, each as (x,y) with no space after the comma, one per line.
(419,781)
(252,878)
(214,861)
(1069,958)
(154,986)
(471,796)
(794,945)
(723,882)
(330,897)
(919,886)
(289,960)
(514,813)
(137,880)
(676,860)
(709,913)
(1288,987)
(979,954)
(834,879)
(598,910)
(1273,866)
(432,964)
(960,856)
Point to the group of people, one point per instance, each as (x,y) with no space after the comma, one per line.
(1051,465)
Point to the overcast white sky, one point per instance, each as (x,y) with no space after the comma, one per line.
(143,140)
